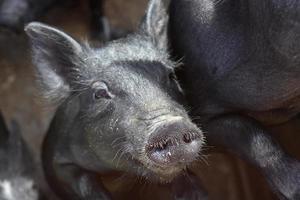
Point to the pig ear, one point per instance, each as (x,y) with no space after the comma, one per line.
(155,22)
(55,56)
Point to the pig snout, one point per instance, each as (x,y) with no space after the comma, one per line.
(174,144)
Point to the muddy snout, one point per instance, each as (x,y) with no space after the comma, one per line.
(175,144)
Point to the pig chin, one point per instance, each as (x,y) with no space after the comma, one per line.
(159,174)
(166,175)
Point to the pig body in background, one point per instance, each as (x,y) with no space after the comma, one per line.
(117,110)
(101,30)
(242,71)
(17,179)
(14,14)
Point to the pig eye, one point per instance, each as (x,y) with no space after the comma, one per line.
(172,76)
(101,91)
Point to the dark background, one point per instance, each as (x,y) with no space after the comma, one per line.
(224,176)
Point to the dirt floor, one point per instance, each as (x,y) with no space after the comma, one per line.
(224,176)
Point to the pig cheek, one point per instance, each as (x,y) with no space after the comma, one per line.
(135,136)
(99,142)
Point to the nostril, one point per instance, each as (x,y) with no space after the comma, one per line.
(187,138)
(177,148)
(190,137)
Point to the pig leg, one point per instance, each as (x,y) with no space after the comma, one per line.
(188,187)
(80,184)
(247,138)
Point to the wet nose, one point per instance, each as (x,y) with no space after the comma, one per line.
(176,143)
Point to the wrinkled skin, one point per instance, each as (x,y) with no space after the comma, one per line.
(118,110)
(17,179)
(242,72)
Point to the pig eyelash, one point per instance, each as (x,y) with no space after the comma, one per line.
(77,92)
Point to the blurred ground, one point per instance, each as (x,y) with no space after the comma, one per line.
(225,176)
